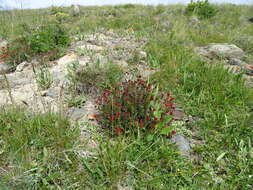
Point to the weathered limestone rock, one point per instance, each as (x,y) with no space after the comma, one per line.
(5,68)
(225,50)
(182,143)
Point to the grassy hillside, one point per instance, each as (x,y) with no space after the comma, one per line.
(41,151)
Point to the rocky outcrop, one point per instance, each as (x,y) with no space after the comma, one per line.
(231,55)
(5,68)
(223,50)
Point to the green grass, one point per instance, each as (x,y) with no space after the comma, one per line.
(37,152)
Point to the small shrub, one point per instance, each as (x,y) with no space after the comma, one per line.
(47,39)
(17,51)
(95,77)
(202,8)
(44,78)
(135,105)
(61,17)
(54,10)
(128,6)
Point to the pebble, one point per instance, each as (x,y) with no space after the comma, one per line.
(182,143)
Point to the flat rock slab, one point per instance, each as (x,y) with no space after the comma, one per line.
(182,143)
(225,50)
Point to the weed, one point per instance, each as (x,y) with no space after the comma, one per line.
(44,78)
(34,154)
(76,101)
(93,78)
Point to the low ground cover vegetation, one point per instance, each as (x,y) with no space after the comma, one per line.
(136,116)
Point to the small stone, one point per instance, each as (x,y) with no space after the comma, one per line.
(3,44)
(5,68)
(104,13)
(182,143)
(86,154)
(194,20)
(91,47)
(121,187)
(178,114)
(121,63)
(76,113)
(235,61)
(43,93)
(21,66)
(142,54)
(51,94)
(248,69)
(115,41)
(76,10)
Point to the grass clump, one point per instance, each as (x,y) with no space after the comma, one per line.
(202,8)
(94,77)
(44,78)
(138,163)
(33,149)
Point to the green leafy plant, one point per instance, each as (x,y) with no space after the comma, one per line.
(95,77)
(202,8)
(47,40)
(54,10)
(44,78)
(135,105)
(76,101)
(61,17)
(17,51)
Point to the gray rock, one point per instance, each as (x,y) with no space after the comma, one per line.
(225,50)
(235,61)
(194,20)
(121,187)
(143,55)
(50,93)
(3,43)
(104,13)
(76,10)
(21,81)
(248,68)
(21,66)
(76,113)
(5,68)
(182,143)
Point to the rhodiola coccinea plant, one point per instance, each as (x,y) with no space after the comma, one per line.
(135,105)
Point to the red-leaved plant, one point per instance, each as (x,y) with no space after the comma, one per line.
(135,105)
